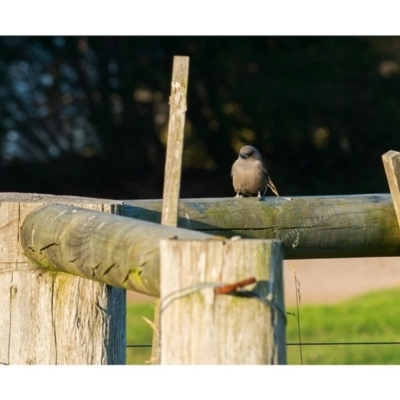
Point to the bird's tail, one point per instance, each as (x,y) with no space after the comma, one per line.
(272,186)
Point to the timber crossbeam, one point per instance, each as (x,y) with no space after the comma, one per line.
(124,252)
(309,227)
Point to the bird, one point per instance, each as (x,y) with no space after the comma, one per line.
(250,175)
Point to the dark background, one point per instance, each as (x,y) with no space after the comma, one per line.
(88,115)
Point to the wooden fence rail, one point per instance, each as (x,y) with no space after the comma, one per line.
(309,227)
(115,250)
(124,252)
(49,317)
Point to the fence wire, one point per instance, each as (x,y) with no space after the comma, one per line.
(305,344)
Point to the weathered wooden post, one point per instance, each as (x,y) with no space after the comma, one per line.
(52,317)
(206,321)
(391,163)
(173,165)
(176,129)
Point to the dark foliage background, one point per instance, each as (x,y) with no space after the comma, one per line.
(88,115)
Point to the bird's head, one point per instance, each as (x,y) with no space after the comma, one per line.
(249,153)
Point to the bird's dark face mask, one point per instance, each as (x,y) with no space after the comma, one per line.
(244,156)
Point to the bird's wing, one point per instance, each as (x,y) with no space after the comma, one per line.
(270,183)
(264,169)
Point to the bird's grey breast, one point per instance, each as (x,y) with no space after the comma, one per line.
(249,176)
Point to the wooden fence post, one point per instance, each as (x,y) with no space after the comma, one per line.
(173,166)
(176,129)
(53,317)
(391,163)
(199,326)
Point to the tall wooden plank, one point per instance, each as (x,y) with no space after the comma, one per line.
(199,326)
(391,162)
(173,166)
(176,128)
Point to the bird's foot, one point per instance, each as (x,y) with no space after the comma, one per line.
(238,194)
(259,196)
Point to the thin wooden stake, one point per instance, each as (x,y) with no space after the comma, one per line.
(173,165)
(176,127)
(391,162)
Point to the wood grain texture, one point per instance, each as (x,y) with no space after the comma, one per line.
(310,227)
(54,318)
(176,127)
(173,162)
(199,326)
(112,249)
(391,162)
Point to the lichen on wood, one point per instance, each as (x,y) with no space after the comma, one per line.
(112,249)
(49,317)
(309,227)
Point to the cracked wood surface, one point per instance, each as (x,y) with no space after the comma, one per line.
(176,127)
(310,227)
(112,249)
(391,163)
(37,322)
(124,252)
(54,318)
(173,162)
(221,328)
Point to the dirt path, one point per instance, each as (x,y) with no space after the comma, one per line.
(331,280)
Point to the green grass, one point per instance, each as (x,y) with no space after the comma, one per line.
(138,332)
(373,317)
